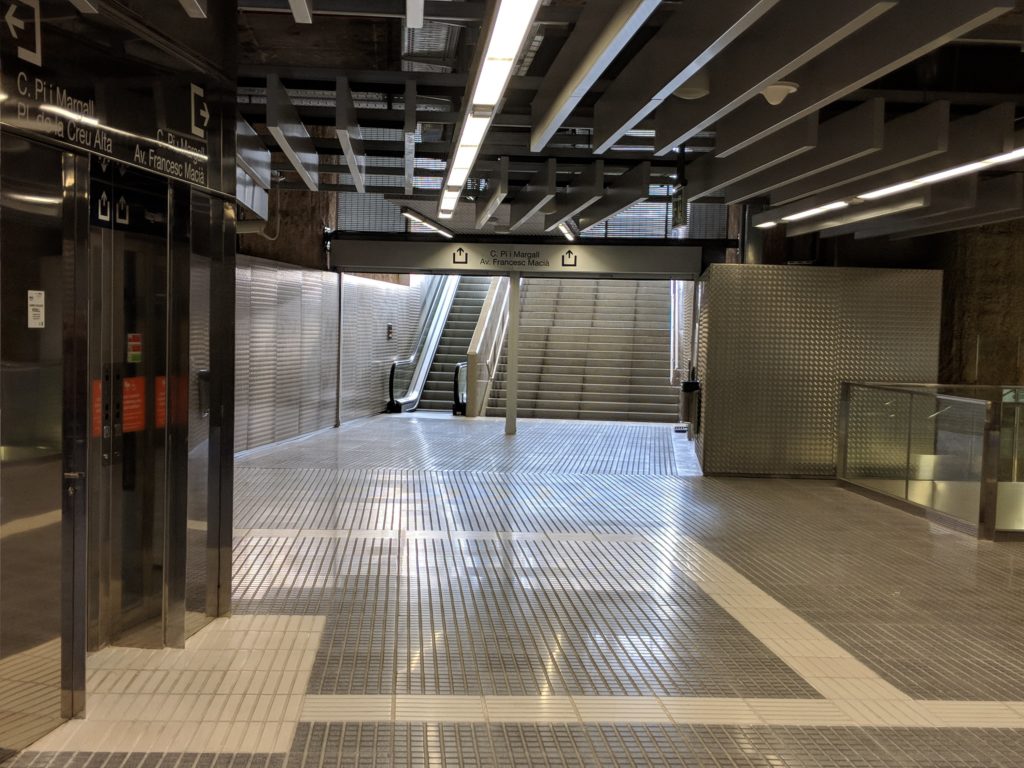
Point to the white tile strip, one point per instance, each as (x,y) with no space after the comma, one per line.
(238,686)
(830,669)
(663,709)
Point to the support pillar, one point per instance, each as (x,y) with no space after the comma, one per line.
(512,376)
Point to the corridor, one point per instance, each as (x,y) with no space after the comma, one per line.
(418,590)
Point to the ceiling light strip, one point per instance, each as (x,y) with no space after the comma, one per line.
(508,30)
(906,186)
(420,219)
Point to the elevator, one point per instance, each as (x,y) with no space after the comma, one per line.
(112,400)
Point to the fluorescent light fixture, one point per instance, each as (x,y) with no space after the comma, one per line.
(811,212)
(421,219)
(509,28)
(949,173)
(511,25)
(564,228)
(473,130)
(458,176)
(766,225)
(494,75)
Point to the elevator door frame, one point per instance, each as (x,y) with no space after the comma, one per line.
(78,404)
(118,255)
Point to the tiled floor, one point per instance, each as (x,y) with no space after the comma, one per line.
(424,591)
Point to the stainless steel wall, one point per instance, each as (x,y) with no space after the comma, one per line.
(775,343)
(367,307)
(286,354)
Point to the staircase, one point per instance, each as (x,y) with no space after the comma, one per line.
(451,349)
(592,349)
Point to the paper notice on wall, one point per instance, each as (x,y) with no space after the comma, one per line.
(37,309)
(133,404)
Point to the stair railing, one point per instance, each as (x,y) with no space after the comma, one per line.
(484,354)
(408,376)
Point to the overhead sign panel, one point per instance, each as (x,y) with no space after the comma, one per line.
(576,259)
(142,116)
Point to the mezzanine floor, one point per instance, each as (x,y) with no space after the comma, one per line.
(426,591)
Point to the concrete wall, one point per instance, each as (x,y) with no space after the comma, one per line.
(367,307)
(983,305)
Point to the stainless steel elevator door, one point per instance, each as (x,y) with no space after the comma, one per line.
(201,548)
(128,424)
(32,290)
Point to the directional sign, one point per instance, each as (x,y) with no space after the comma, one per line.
(147,118)
(17,13)
(103,207)
(200,112)
(122,215)
(583,259)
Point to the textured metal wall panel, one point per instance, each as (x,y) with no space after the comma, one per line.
(366,352)
(263,355)
(781,339)
(286,351)
(700,298)
(243,340)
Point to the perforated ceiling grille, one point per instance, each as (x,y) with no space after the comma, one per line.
(368,212)
(653,218)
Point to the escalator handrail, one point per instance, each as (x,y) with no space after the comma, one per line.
(458,401)
(432,324)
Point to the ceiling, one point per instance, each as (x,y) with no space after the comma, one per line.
(886,91)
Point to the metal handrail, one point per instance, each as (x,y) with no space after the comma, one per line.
(484,351)
(436,307)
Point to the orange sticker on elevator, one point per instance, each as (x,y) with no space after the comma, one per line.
(97,408)
(133,404)
(160,395)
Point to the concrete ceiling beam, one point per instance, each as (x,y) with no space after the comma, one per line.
(910,138)
(789,36)
(855,134)
(708,175)
(910,30)
(603,29)
(291,135)
(680,48)
(534,196)
(628,189)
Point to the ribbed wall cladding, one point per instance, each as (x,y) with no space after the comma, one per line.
(451,349)
(367,307)
(286,351)
(592,349)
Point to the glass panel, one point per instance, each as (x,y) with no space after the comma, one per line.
(31,401)
(1010,506)
(877,435)
(947,438)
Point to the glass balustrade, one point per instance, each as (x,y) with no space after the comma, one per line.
(954,450)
